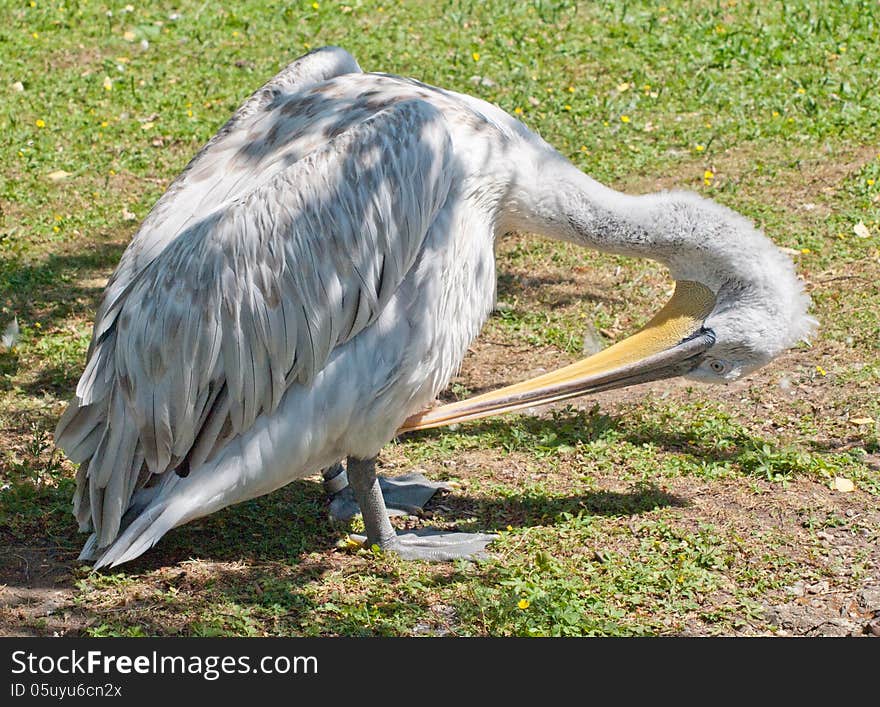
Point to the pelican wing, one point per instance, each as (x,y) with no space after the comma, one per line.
(223,169)
(248,300)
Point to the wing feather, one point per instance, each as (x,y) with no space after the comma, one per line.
(254,297)
(217,173)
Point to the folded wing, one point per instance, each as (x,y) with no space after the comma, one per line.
(248,299)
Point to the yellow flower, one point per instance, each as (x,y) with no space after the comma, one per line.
(315,6)
(108,84)
(708,176)
(35,35)
(509,528)
(567,107)
(55,229)
(870,182)
(518,110)
(776,114)
(524,604)
(806,251)
(235,33)
(802,90)
(571,89)
(821,371)
(699,148)
(189,114)
(40,123)
(624,119)
(476,56)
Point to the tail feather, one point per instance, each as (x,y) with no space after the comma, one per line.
(105,443)
(82,506)
(90,549)
(80,429)
(144,532)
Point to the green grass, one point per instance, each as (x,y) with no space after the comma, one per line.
(672,510)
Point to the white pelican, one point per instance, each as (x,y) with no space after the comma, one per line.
(314,277)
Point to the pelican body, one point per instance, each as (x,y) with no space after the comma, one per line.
(312,280)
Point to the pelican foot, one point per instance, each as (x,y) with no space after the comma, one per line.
(435,545)
(404,495)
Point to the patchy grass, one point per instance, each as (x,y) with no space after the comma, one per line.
(663,509)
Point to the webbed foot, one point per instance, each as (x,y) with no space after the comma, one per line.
(435,545)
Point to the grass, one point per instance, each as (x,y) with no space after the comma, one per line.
(664,509)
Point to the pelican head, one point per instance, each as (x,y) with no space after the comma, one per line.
(760,307)
(736,305)
(750,334)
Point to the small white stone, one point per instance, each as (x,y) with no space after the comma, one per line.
(843,485)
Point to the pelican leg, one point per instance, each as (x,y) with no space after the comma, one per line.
(426,544)
(367,492)
(404,495)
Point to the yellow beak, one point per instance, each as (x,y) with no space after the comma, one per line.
(672,344)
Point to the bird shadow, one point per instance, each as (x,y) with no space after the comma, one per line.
(533,509)
(538,286)
(568,427)
(267,555)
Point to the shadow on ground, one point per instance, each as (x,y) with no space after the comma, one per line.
(552,290)
(50,294)
(566,428)
(261,556)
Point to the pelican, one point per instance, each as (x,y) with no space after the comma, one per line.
(312,280)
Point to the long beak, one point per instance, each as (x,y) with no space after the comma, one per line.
(673,343)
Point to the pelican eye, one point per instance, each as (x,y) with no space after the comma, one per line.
(717,366)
